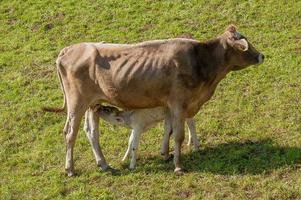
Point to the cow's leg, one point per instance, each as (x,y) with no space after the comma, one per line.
(92,132)
(166,137)
(71,128)
(178,131)
(129,146)
(136,138)
(192,133)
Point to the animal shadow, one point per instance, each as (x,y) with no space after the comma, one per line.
(249,157)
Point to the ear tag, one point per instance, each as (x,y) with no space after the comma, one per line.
(237,35)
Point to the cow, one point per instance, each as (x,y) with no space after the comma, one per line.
(139,121)
(179,74)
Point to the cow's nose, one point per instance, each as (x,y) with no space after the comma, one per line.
(260,58)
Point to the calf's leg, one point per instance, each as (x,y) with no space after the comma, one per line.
(167,134)
(192,133)
(136,138)
(129,146)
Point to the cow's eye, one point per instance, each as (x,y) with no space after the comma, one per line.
(106,110)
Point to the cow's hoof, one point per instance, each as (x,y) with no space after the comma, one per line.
(111,170)
(179,171)
(197,148)
(70,173)
(132,168)
(168,157)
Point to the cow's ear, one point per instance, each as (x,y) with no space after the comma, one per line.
(232,34)
(231,29)
(241,45)
(235,39)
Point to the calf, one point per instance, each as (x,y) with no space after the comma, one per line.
(139,121)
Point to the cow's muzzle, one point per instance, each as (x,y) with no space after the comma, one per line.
(260,58)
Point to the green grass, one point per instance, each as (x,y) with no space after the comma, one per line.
(249,131)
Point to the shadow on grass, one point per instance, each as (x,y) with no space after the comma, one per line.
(230,158)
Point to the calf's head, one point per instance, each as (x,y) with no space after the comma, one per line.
(111,115)
(240,53)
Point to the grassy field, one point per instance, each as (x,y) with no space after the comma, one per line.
(249,131)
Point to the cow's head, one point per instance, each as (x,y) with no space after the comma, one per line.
(240,53)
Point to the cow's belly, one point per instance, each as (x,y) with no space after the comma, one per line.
(135,99)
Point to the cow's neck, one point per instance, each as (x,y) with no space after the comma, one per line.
(214,65)
(214,60)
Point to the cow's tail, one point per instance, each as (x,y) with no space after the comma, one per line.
(62,109)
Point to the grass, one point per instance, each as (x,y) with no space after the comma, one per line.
(249,131)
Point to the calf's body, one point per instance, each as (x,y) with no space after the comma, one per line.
(141,120)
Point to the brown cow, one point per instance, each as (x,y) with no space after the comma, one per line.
(180,74)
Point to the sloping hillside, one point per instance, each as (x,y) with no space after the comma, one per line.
(249,131)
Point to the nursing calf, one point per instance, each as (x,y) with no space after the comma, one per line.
(139,121)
